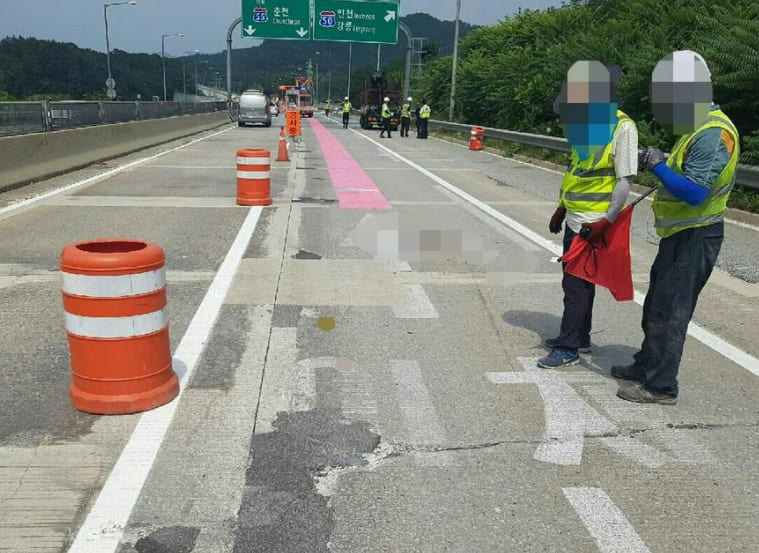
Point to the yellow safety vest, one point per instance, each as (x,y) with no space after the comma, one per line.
(588,185)
(347,107)
(424,113)
(672,215)
(386,111)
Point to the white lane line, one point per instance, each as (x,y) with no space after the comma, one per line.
(604,521)
(419,413)
(101,176)
(712,341)
(420,307)
(104,526)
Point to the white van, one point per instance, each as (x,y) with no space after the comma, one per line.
(253,108)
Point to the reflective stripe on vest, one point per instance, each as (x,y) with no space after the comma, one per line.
(385,111)
(588,185)
(672,215)
(346,108)
(405,110)
(424,113)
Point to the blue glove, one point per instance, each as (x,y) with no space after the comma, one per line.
(650,158)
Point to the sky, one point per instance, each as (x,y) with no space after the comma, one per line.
(203,22)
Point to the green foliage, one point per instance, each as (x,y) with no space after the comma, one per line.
(510,73)
(5,97)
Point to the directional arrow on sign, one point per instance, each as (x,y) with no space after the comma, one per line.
(390,16)
(250,30)
(302,32)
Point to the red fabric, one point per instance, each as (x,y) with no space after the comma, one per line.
(606,263)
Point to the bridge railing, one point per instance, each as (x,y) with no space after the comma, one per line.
(31,117)
(746,176)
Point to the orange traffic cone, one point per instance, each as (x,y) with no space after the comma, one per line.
(282,153)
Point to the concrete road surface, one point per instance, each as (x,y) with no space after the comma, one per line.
(358,367)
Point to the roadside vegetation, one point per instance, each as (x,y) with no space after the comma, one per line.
(510,73)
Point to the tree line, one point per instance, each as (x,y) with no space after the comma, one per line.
(510,73)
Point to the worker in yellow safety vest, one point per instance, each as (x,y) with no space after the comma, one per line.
(688,215)
(594,189)
(346,112)
(406,117)
(424,119)
(386,115)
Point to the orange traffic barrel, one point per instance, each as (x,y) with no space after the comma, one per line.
(114,299)
(475,142)
(253,177)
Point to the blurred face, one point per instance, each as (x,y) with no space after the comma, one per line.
(586,107)
(681,92)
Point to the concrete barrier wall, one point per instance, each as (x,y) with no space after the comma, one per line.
(31,157)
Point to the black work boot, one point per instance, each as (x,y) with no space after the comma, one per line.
(629,372)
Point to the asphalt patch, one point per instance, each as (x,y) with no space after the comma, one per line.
(224,351)
(281,510)
(314,200)
(173,539)
(256,247)
(302,254)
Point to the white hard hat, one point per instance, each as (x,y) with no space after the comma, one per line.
(387,99)
(409,99)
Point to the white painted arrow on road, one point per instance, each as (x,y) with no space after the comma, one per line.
(250,30)
(390,16)
(302,32)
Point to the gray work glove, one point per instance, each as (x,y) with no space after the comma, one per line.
(650,158)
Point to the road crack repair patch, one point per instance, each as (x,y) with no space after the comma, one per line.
(282,510)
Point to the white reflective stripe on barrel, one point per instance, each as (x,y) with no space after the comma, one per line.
(117,327)
(253,160)
(114,286)
(253,174)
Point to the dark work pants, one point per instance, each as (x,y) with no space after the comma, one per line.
(578,304)
(679,273)
(405,124)
(385,127)
(346,118)
(423,123)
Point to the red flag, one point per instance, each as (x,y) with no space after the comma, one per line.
(607,262)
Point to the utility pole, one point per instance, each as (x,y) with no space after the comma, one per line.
(350,60)
(455,61)
(379,48)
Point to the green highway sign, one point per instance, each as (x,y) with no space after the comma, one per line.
(283,19)
(356,21)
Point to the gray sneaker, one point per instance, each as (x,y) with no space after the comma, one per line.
(552,343)
(638,394)
(629,372)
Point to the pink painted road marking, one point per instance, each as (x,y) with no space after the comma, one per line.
(353,187)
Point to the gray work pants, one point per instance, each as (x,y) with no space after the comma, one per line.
(679,273)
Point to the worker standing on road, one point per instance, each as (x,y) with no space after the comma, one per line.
(424,119)
(326,108)
(405,117)
(346,112)
(593,191)
(386,115)
(697,180)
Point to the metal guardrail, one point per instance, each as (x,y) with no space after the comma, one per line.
(31,117)
(746,175)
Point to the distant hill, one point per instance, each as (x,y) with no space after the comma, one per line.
(32,68)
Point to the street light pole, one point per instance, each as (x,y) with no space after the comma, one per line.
(163,58)
(350,60)
(107,43)
(455,61)
(184,60)
(196,75)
